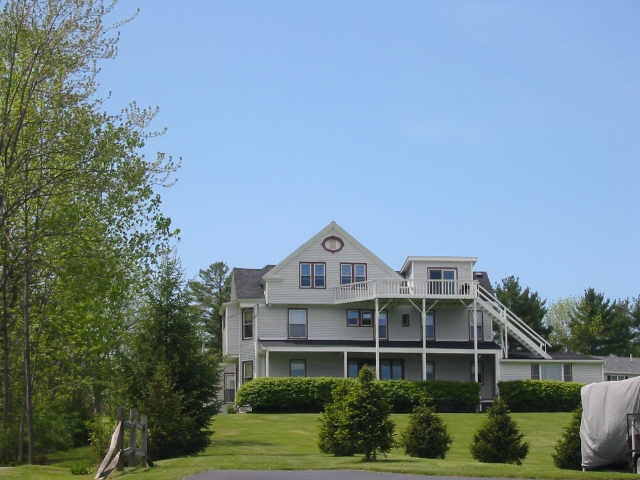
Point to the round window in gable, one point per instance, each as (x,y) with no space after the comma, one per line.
(332,244)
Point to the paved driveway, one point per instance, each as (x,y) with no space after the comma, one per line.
(315,475)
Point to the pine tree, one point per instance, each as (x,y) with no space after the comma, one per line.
(426,436)
(567,452)
(499,440)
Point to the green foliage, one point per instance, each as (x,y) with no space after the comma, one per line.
(357,420)
(499,440)
(367,413)
(540,395)
(288,394)
(567,451)
(334,435)
(81,469)
(601,327)
(208,293)
(426,435)
(170,378)
(558,318)
(101,428)
(524,303)
(310,394)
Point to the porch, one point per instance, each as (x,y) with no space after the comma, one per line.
(403,288)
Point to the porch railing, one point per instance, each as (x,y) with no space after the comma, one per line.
(402,288)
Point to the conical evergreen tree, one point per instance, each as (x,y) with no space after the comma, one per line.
(499,440)
(567,452)
(426,436)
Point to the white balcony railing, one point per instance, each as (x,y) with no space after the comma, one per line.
(402,288)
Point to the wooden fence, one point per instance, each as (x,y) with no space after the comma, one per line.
(118,456)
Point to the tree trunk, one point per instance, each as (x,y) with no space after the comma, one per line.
(28,406)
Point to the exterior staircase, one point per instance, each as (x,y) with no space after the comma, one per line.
(512,325)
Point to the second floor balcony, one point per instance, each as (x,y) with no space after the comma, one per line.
(402,288)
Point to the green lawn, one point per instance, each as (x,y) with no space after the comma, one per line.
(288,442)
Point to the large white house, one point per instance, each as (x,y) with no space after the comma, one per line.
(333,306)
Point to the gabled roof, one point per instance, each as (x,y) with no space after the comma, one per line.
(332,229)
(247,282)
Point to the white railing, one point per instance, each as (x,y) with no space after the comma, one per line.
(402,288)
(515,325)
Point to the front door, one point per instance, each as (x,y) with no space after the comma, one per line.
(487,380)
(229,387)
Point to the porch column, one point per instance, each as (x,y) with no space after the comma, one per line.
(377,334)
(475,339)
(346,365)
(424,339)
(266,364)
(255,342)
(498,373)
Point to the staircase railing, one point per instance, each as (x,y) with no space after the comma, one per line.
(515,325)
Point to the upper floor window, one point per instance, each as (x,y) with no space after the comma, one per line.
(312,275)
(247,323)
(480,323)
(441,281)
(297,323)
(366,318)
(430,326)
(353,272)
(567,372)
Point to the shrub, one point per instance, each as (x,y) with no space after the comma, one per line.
(426,436)
(310,394)
(100,430)
(499,440)
(567,453)
(288,394)
(540,395)
(357,421)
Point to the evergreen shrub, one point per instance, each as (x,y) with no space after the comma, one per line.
(426,436)
(499,440)
(567,453)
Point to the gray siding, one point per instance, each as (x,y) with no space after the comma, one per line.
(464,268)
(515,371)
(587,372)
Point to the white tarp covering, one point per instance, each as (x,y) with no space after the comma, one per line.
(603,429)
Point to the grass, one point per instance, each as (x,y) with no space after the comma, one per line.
(288,442)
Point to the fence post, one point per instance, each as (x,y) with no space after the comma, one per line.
(133,419)
(144,441)
(120,442)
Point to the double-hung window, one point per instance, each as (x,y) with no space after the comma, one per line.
(297,323)
(366,318)
(480,323)
(383,326)
(567,372)
(353,318)
(535,371)
(297,368)
(353,272)
(313,275)
(430,326)
(247,323)
(391,370)
(247,371)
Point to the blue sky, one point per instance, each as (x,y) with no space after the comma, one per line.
(503,130)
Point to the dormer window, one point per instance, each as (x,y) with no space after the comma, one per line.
(313,275)
(442,281)
(353,272)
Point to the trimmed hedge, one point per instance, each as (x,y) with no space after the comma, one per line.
(540,395)
(310,394)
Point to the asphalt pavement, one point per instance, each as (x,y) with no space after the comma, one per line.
(317,475)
